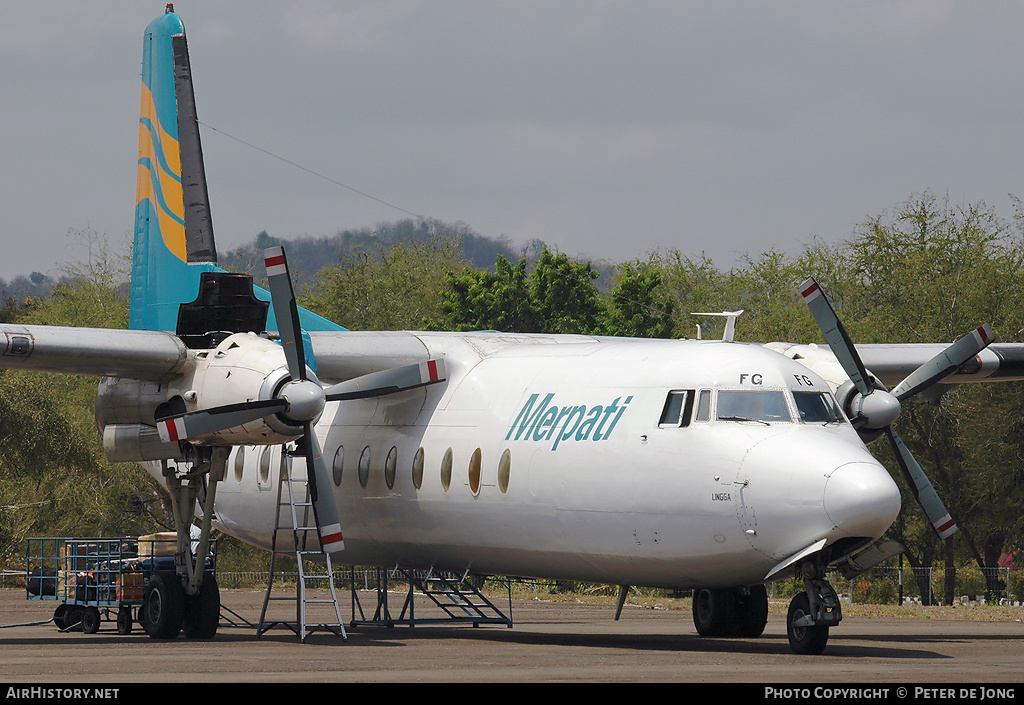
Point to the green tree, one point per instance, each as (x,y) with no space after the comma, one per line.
(930,272)
(395,288)
(557,296)
(54,471)
(640,306)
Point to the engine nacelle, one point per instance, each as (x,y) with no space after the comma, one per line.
(124,443)
(243,368)
(128,401)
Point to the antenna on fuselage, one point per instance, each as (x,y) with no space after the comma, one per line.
(730,322)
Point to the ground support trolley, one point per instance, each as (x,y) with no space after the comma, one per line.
(107,579)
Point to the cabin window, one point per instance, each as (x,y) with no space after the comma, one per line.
(504,469)
(338,465)
(417,469)
(747,405)
(474,472)
(240,463)
(446,470)
(389,467)
(703,406)
(817,407)
(265,465)
(364,466)
(678,408)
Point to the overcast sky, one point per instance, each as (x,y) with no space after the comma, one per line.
(607,128)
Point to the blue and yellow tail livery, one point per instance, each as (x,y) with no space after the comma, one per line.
(174,242)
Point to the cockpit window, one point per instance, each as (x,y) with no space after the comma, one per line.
(764,406)
(703,406)
(678,408)
(817,407)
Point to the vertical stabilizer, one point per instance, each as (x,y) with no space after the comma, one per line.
(174,243)
(173,230)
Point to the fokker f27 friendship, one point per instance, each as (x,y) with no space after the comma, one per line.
(706,464)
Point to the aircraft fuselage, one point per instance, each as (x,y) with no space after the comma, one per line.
(556,460)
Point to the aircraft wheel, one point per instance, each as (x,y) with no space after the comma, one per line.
(163,606)
(714,611)
(202,611)
(802,639)
(124,620)
(752,612)
(90,620)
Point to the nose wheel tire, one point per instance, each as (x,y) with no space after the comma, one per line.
(804,639)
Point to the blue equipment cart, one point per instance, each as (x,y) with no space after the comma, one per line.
(98,579)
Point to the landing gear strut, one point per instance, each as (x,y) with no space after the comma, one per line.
(188,598)
(739,612)
(812,613)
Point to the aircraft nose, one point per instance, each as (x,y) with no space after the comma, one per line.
(861,499)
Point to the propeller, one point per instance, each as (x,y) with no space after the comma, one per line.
(325,511)
(877,409)
(181,427)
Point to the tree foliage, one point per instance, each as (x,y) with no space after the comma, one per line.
(394,288)
(56,479)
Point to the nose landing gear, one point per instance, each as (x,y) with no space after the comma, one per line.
(812,613)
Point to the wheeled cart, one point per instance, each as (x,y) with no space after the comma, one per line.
(101,579)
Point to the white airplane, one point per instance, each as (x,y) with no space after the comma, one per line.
(706,464)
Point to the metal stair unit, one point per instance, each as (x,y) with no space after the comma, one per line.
(456,596)
(302,525)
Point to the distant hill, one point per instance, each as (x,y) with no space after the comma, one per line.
(308,255)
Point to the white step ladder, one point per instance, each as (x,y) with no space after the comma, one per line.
(314,565)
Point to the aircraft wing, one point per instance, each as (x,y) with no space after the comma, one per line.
(159,356)
(891,363)
(138,354)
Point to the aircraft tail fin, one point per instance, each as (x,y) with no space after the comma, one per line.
(174,242)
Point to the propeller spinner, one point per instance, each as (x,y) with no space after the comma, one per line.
(876,409)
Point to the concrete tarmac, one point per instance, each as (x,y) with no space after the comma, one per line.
(549,642)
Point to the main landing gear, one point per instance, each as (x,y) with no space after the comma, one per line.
(187,598)
(741,612)
(167,610)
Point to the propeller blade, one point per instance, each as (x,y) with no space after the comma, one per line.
(835,335)
(945,363)
(922,488)
(285,311)
(325,511)
(396,379)
(194,424)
